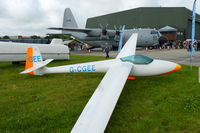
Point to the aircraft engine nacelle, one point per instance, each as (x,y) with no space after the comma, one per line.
(104,32)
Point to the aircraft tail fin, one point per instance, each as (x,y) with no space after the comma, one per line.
(68,19)
(34,62)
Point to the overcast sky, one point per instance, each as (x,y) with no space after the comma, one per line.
(33,17)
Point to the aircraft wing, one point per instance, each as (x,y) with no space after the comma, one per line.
(98,110)
(129,49)
(72,29)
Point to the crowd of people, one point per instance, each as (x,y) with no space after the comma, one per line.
(180,45)
(169,45)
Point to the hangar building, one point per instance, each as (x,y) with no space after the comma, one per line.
(151,17)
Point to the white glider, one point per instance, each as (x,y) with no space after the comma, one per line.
(16,52)
(98,110)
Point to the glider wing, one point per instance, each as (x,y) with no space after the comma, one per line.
(130,47)
(98,110)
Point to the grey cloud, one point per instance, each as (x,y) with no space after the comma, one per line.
(27,17)
(3,10)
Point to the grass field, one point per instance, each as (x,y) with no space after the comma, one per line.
(52,103)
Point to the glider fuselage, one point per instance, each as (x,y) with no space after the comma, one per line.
(140,68)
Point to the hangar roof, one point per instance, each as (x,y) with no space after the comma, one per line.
(145,17)
(167,28)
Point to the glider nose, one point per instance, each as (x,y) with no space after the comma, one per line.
(166,67)
(174,69)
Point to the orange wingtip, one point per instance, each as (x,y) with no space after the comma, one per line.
(131,78)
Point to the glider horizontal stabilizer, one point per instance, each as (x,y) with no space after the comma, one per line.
(37,67)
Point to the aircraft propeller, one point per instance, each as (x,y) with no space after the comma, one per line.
(117,33)
(104,32)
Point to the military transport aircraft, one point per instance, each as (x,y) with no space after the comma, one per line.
(98,110)
(99,36)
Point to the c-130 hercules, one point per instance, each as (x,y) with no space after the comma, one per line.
(98,37)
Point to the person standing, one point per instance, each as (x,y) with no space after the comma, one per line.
(107,50)
(198,45)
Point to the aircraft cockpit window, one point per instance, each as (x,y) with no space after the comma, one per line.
(137,59)
(154,32)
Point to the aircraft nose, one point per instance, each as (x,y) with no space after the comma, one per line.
(162,40)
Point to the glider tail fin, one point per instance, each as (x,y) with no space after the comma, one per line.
(33,58)
(34,62)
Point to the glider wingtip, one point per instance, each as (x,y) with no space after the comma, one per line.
(22,72)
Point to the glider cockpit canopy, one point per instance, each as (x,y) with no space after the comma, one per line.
(137,59)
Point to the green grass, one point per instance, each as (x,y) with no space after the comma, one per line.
(52,103)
